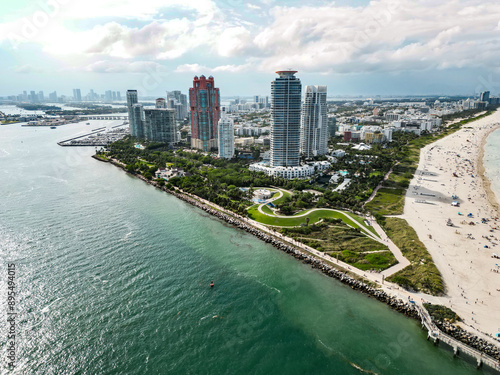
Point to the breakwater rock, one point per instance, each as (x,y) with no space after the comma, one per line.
(469,339)
(397,304)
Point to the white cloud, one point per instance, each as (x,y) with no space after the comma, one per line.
(26,69)
(384,35)
(202,69)
(193,68)
(103,66)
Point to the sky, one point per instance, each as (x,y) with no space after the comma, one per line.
(356,47)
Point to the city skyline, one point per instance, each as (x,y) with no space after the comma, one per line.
(365,48)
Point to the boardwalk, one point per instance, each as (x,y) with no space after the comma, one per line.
(436,335)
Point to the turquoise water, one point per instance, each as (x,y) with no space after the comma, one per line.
(113,278)
(492,161)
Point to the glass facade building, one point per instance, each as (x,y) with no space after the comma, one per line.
(131,101)
(160,125)
(314,125)
(286,92)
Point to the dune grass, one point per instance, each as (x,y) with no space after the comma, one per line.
(422,274)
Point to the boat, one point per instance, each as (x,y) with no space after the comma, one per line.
(211,284)
(53,127)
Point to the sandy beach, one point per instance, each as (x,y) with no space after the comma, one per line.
(450,170)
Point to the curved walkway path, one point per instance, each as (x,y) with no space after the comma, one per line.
(383,239)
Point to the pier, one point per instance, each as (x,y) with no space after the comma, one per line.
(98,137)
(437,336)
(103,117)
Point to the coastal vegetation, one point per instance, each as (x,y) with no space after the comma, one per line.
(442,313)
(390,199)
(422,274)
(38,107)
(345,243)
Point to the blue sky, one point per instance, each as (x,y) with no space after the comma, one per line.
(354,47)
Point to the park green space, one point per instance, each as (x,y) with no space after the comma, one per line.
(387,201)
(422,274)
(296,220)
(344,243)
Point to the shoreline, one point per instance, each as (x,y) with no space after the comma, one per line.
(451,169)
(490,194)
(394,302)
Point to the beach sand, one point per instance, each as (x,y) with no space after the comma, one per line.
(467,266)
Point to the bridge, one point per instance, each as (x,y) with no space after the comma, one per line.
(437,336)
(104,117)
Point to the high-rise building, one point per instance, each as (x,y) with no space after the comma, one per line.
(138,121)
(108,96)
(53,97)
(178,100)
(131,101)
(77,95)
(33,97)
(226,136)
(332,126)
(204,99)
(41,97)
(285,119)
(484,96)
(160,125)
(118,96)
(314,124)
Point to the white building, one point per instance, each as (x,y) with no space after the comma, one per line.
(226,137)
(314,122)
(302,171)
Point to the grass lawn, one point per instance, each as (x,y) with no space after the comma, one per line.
(361,220)
(422,274)
(387,202)
(285,195)
(267,209)
(295,221)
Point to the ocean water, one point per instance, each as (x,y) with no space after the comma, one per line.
(491,161)
(112,277)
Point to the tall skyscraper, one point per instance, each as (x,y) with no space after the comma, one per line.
(53,97)
(332,126)
(484,96)
(160,125)
(285,119)
(131,100)
(138,121)
(41,97)
(204,99)
(77,95)
(178,100)
(226,136)
(314,124)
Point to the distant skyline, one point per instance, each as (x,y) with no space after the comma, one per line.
(357,47)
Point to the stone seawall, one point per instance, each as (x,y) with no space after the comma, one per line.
(408,309)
